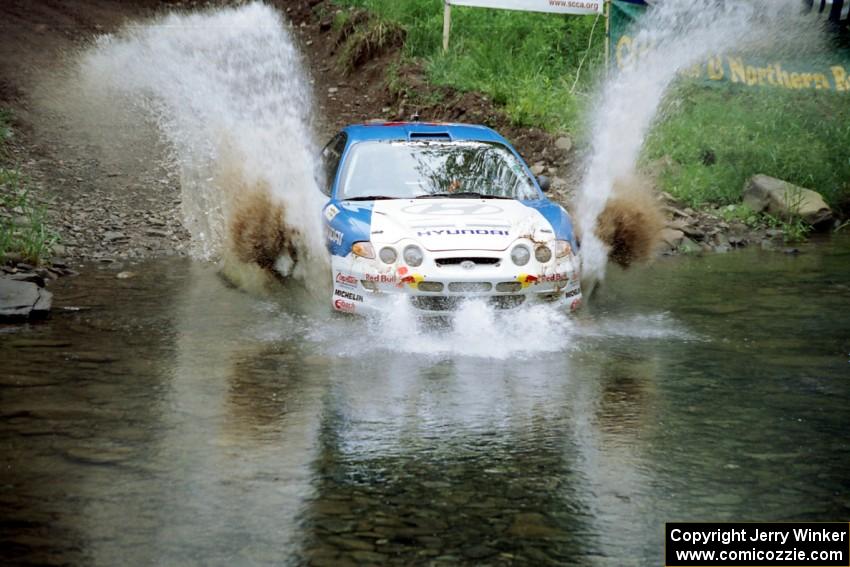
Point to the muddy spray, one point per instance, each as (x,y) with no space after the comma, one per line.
(673,37)
(228,92)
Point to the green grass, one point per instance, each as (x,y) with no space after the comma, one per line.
(526,62)
(719,137)
(24,232)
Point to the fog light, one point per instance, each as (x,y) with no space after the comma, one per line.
(413,255)
(520,255)
(508,286)
(431,286)
(388,255)
(543,254)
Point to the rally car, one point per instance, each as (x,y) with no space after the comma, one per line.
(441,213)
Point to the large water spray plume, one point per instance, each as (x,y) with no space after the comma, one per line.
(229,94)
(613,215)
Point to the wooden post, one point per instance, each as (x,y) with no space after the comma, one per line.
(447,24)
(607,33)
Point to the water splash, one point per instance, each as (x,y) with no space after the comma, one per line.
(228,92)
(677,34)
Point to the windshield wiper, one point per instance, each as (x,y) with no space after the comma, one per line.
(369,198)
(462,195)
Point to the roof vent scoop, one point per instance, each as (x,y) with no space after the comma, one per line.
(442,136)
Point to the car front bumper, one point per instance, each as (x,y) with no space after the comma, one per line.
(446,279)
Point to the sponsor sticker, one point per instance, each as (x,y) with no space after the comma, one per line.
(464,232)
(381,278)
(331,212)
(334,236)
(344,306)
(348,295)
(411,280)
(575,304)
(527,280)
(345,279)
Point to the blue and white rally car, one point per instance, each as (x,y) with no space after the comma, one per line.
(441,213)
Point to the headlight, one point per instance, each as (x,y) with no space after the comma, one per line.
(388,255)
(520,255)
(413,255)
(543,254)
(363,249)
(562,248)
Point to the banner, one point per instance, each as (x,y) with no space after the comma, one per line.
(833,75)
(552,6)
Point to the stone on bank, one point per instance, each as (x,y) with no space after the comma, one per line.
(763,193)
(22,300)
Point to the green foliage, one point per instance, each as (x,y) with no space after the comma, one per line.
(719,137)
(23,222)
(525,61)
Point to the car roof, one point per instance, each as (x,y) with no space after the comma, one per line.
(427,130)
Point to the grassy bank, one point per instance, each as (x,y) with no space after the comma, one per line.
(24,234)
(526,62)
(718,137)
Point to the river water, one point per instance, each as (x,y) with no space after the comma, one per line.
(168,419)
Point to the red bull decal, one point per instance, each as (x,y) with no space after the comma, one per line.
(411,280)
(550,278)
(575,304)
(402,271)
(344,306)
(381,278)
(527,280)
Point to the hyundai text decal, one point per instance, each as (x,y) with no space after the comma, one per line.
(453,209)
(334,236)
(463,231)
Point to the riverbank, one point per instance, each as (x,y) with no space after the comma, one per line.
(95,206)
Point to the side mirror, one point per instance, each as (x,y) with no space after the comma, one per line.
(544,183)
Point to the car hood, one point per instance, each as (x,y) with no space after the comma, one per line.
(458,224)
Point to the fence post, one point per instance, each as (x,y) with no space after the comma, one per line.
(447,24)
(607,33)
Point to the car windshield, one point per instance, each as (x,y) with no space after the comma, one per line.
(421,169)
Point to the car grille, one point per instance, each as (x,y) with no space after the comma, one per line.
(470,287)
(478,261)
(435,303)
(507,301)
(443,303)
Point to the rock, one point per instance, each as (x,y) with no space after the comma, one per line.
(538,168)
(114,236)
(125,275)
(59,249)
(19,300)
(688,246)
(777,197)
(530,525)
(32,277)
(155,232)
(672,237)
(564,143)
(693,231)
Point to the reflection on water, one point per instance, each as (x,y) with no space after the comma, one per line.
(169,419)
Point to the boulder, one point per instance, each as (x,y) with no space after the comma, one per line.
(20,300)
(564,143)
(776,197)
(672,237)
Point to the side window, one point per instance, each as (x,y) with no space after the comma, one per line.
(331,155)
